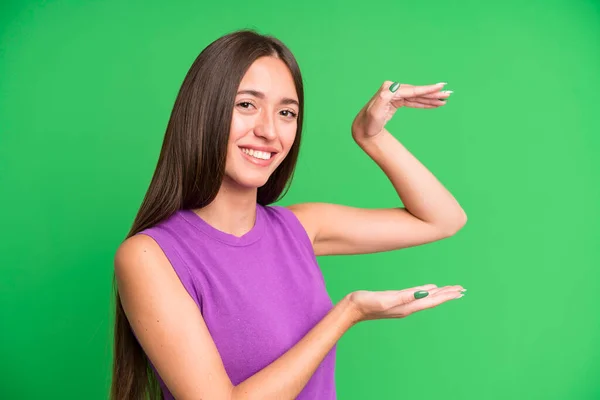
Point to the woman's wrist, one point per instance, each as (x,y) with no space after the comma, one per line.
(350,310)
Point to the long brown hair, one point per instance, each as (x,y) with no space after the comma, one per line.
(190,170)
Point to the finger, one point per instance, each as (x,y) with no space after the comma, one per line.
(444,94)
(431,289)
(411,302)
(432,301)
(430,286)
(415,101)
(443,289)
(427,288)
(431,102)
(406,91)
(436,297)
(382,98)
(426,101)
(414,104)
(451,288)
(395,297)
(405,296)
(407,293)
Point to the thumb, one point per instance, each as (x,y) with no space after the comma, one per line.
(415,293)
(385,95)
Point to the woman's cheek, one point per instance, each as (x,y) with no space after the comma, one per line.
(238,126)
(290,138)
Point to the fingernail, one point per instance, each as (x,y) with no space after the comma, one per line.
(448,91)
(421,293)
(394,86)
(442,83)
(464,290)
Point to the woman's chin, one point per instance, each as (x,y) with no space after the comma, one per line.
(256,183)
(250,183)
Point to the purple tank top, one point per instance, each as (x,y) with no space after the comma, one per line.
(259,294)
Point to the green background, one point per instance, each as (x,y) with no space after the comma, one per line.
(86,89)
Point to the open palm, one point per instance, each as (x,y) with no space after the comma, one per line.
(401,303)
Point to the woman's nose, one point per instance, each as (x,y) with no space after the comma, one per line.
(265,127)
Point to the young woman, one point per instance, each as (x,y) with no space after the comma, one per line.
(219,294)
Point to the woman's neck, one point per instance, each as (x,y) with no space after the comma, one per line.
(232,211)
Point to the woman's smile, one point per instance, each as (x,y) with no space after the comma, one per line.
(258,157)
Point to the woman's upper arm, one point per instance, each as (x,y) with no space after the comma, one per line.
(168,323)
(339,229)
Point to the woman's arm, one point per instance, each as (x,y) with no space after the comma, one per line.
(174,335)
(430,212)
(423,196)
(286,377)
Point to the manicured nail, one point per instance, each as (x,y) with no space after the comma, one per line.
(448,91)
(464,290)
(442,83)
(421,293)
(394,86)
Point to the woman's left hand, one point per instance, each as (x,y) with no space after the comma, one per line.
(371,120)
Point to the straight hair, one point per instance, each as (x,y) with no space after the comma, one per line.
(191,167)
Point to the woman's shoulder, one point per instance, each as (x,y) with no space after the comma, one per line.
(154,243)
(287,220)
(279,213)
(136,253)
(153,252)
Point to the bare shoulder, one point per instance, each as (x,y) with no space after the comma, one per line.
(141,267)
(138,253)
(167,321)
(308,215)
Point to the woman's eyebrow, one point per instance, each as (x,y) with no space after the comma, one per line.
(261,95)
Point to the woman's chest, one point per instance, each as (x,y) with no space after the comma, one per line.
(257,310)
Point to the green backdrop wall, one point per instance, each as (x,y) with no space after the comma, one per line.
(86,89)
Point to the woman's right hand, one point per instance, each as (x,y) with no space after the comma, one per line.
(401,303)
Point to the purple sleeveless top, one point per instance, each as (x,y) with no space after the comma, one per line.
(259,294)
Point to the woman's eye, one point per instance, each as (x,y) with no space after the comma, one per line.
(245,104)
(289,113)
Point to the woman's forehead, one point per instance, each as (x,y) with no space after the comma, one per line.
(270,76)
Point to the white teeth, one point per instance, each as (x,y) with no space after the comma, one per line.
(263,155)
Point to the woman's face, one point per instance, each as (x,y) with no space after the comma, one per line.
(264,123)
